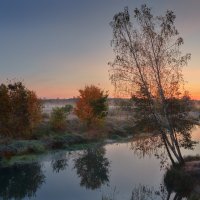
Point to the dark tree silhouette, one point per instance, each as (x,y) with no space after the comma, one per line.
(20,181)
(93,168)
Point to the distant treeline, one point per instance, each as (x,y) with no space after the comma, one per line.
(74,100)
(58,100)
(110,100)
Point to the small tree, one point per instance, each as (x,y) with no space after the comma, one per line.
(59,116)
(20,110)
(91,105)
(148,66)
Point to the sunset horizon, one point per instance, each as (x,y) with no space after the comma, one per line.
(58,48)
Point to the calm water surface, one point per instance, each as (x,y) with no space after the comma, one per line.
(118,170)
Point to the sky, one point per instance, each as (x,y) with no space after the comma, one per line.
(56,47)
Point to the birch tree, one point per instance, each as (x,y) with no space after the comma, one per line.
(148,66)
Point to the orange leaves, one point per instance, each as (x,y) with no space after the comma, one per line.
(91,104)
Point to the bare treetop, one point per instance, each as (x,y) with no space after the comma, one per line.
(148,54)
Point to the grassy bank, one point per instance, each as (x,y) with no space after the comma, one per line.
(45,140)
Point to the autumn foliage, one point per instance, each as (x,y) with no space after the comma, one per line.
(20,110)
(91,105)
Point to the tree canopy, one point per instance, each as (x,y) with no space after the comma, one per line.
(92,104)
(20,110)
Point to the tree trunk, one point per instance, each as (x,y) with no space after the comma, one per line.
(168,151)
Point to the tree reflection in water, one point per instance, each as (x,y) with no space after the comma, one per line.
(20,181)
(143,192)
(151,146)
(59,165)
(60,162)
(163,193)
(93,168)
(154,145)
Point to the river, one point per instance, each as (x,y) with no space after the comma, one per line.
(117,171)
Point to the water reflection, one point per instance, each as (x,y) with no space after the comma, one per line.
(59,162)
(59,165)
(154,145)
(147,146)
(144,192)
(151,146)
(20,181)
(135,173)
(93,168)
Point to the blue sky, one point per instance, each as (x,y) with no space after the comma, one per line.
(58,46)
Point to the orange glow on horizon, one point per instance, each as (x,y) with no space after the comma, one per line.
(64,94)
(64,89)
(194,91)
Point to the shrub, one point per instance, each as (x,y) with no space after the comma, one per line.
(68,108)
(58,117)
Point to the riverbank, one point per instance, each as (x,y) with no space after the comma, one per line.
(76,136)
(22,151)
(14,151)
